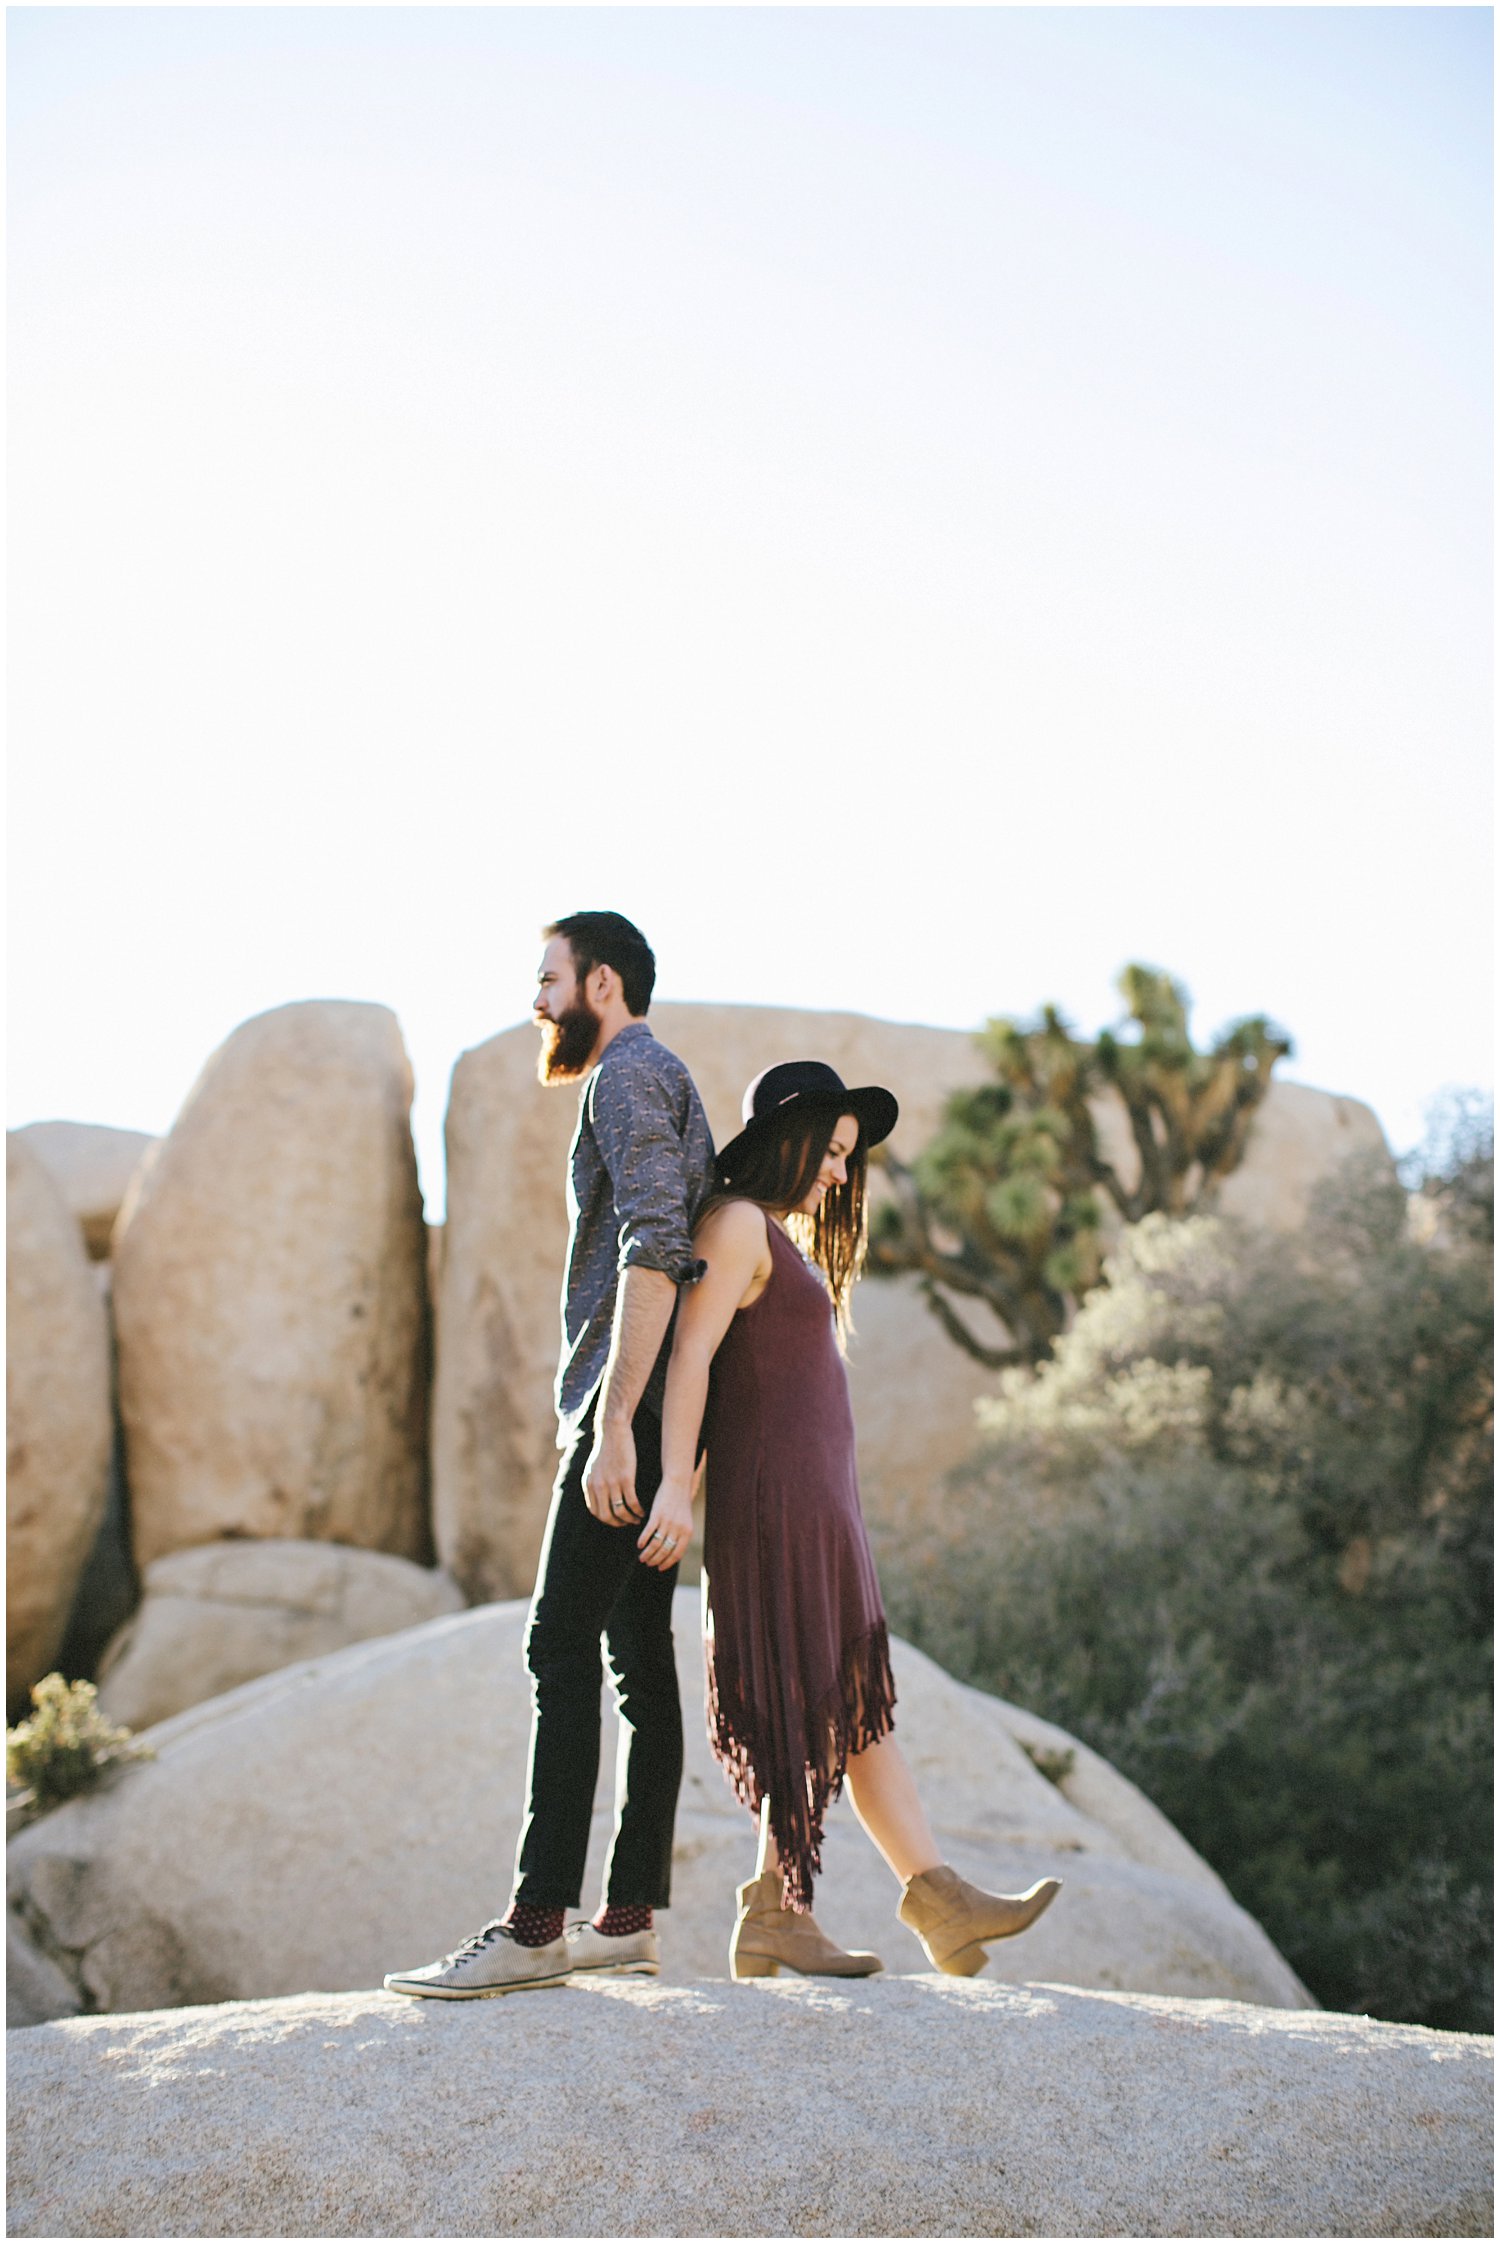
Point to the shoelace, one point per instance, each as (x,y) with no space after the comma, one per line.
(494,1930)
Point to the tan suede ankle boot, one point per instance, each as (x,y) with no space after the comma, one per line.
(952,1919)
(768,1938)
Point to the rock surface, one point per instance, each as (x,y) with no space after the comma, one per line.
(913,2107)
(92,1167)
(913,1390)
(34,1986)
(219,1615)
(359,1814)
(270,1296)
(60,1422)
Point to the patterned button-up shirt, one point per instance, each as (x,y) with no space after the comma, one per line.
(639,1169)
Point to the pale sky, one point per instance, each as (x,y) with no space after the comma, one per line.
(916,507)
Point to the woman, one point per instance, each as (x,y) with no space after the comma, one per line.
(800,1691)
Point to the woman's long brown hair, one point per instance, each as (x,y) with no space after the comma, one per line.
(778,1168)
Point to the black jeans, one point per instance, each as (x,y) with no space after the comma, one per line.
(591,1584)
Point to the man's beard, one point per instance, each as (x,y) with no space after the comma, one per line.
(568,1044)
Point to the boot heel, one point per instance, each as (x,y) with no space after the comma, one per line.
(753,1967)
(965,1962)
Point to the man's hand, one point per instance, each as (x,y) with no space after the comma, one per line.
(669,1530)
(609,1476)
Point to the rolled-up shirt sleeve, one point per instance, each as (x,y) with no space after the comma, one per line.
(640,1142)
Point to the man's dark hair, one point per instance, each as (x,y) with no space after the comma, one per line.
(609,939)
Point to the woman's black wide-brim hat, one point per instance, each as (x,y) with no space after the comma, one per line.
(808,1086)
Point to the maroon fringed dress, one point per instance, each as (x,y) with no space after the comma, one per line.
(799,1669)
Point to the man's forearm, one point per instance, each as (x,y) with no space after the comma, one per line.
(643,1310)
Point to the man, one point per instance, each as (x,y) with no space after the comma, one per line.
(640,1164)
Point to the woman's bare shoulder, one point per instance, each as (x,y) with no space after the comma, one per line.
(734,1224)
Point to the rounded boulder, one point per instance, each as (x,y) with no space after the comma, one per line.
(59,1416)
(220,1615)
(359,1815)
(919,2107)
(270,1296)
(93,1167)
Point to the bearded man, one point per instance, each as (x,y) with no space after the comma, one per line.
(639,1167)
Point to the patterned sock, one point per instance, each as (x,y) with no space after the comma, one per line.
(532,1926)
(617,1918)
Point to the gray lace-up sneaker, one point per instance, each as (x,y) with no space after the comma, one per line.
(589,1949)
(489,1964)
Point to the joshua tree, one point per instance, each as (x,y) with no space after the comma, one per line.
(1003,1206)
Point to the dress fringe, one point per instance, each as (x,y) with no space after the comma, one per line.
(856,1713)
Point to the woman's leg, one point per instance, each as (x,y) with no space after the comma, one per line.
(951,1918)
(884,1794)
(766,1856)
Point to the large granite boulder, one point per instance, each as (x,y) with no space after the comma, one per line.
(913,1390)
(92,1166)
(270,1296)
(220,1614)
(59,1417)
(909,2107)
(357,1814)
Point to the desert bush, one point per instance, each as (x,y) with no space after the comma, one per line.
(1004,1206)
(1236,1535)
(65,1744)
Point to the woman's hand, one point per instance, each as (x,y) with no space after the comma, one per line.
(669,1529)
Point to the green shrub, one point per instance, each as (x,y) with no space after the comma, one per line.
(1236,1535)
(1002,1207)
(65,1744)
